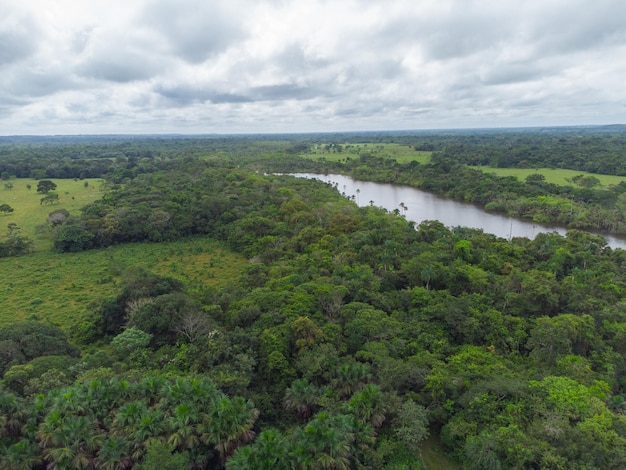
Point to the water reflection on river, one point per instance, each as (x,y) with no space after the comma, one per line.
(419,205)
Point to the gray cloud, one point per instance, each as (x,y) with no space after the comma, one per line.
(579,25)
(19,35)
(285,91)
(118,55)
(39,84)
(185,95)
(120,68)
(502,74)
(195,30)
(14,45)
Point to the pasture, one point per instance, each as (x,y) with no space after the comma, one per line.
(559,176)
(343,152)
(29,213)
(58,287)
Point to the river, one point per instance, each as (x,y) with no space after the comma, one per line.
(417,206)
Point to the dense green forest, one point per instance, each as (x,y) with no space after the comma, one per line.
(350,336)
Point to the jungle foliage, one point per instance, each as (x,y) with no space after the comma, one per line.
(350,336)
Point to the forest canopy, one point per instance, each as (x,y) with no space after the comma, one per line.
(349,337)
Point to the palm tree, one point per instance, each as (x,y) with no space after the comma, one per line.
(59,457)
(114,454)
(12,414)
(23,455)
(128,417)
(269,452)
(150,388)
(350,378)
(150,425)
(368,405)
(182,425)
(71,401)
(245,458)
(69,441)
(301,398)
(427,274)
(83,438)
(229,424)
(49,433)
(327,442)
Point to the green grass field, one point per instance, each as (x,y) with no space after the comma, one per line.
(30,213)
(556,176)
(401,153)
(58,287)
(434,457)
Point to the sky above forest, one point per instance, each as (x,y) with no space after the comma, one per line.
(258,66)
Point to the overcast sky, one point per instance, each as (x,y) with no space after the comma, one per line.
(233,66)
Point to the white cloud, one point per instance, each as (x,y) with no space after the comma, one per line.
(19,35)
(284,65)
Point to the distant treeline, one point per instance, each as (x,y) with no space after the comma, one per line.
(600,149)
(118,157)
(593,149)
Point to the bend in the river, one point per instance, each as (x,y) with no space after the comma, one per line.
(418,205)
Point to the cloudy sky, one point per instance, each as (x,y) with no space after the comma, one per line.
(245,66)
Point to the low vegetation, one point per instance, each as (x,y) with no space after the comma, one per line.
(61,287)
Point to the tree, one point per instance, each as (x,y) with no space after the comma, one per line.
(351,378)
(45,186)
(6,208)
(269,452)
(586,181)
(302,397)
(535,178)
(368,405)
(326,442)
(193,325)
(129,341)
(115,454)
(411,425)
(19,378)
(229,425)
(23,455)
(73,237)
(49,198)
(159,455)
(23,341)
(481,453)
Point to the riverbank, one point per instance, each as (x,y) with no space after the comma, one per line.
(418,205)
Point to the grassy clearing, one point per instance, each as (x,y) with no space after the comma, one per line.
(30,213)
(401,153)
(556,176)
(59,287)
(433,456)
